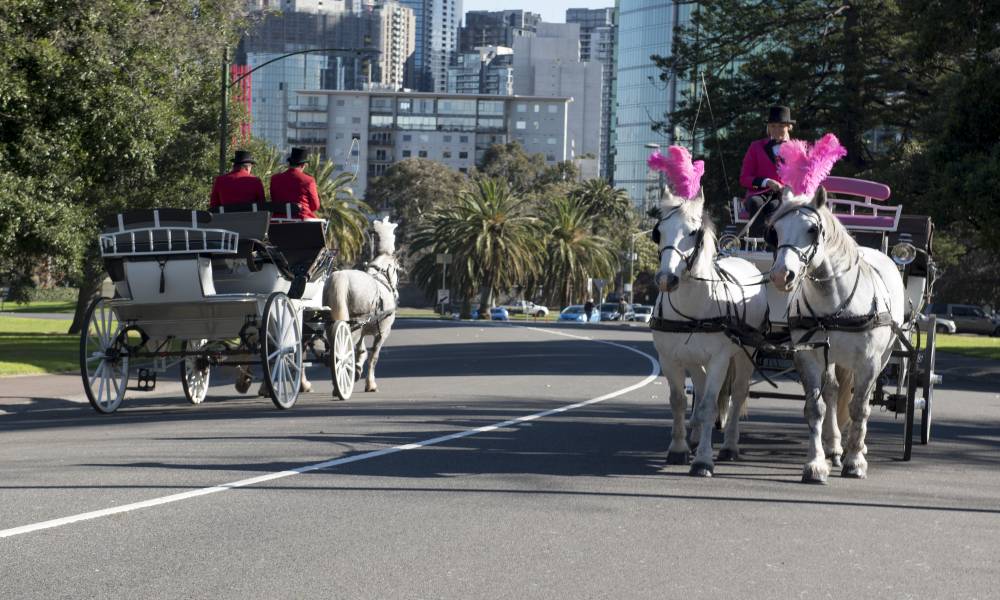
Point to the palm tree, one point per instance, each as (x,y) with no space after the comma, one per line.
(572,251)
(610,208)
(348,217)
(492,238)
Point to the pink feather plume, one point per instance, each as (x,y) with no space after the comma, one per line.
(684,175)
(803,168)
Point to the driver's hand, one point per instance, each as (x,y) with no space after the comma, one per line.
(774,185)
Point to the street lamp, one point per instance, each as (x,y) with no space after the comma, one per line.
(631,264)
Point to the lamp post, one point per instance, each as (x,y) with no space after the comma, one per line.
(226,84)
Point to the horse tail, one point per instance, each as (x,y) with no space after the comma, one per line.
(336,296)
(845,382)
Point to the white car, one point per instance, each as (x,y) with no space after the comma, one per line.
(527,308)
(642,313)
(944,325)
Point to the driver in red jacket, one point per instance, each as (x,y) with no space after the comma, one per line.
(760,164)
(238,186)
(293,186)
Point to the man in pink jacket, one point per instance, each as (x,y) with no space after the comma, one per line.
(760,164)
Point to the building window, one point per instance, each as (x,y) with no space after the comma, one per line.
(424,137)
(551,141)
(422,154)
(537,108)
(463,139)
(447,138)
(553,108)
(463,155)
(446,154)
(522,108)
(521,125)
(463,170)
(407,137)
(407,154)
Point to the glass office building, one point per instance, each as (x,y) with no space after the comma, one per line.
(645,27)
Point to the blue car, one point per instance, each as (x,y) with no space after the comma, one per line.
(497,313)
(574,313)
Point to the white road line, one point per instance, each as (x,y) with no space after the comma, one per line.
(87,516)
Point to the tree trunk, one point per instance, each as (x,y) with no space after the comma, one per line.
(90,288)
(484,298)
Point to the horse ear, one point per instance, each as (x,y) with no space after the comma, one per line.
(819,198)
(699,198)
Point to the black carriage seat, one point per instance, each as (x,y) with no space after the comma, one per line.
(168,230)
(278,210)
(302,246)
(249,225)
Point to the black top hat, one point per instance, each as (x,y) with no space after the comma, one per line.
(241,157)
(780,114)
(298,156)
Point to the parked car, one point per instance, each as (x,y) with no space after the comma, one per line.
(944,324)
(523,307)
(642,313)
(497,313)
(575,314)
(609,312)
(968,318)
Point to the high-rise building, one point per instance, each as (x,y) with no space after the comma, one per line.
(387,27)
(437,23)
(645,27)
(597,44)
(495,28)
(489,70)
(548,64)
(364,132)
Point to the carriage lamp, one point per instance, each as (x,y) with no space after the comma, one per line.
(903,253)
(728,244)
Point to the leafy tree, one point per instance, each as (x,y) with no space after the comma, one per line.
(524,172)
(572,251)
(348,217)
(413,187)
(610,208)
(491,236)
(104,106)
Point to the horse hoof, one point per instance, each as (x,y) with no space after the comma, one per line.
(728,455)
(854,472)
(701,470)
(814,479)
(371,389)
(305,387)
(835,461)
(678,458)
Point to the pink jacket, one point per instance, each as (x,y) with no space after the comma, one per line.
(757,165)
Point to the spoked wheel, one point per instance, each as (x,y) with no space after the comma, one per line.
(281,350)
(103,358)
(195,372)
(928,379)
(342,360)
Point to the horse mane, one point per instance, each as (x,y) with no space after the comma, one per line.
(841,246)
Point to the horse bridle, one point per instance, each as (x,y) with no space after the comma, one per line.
(690,256)
(805,256)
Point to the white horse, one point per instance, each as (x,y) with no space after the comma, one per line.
(695,287)
(368,297)
(847,294)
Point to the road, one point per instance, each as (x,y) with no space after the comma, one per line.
(364,499)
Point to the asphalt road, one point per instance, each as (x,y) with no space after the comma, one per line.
(575,504)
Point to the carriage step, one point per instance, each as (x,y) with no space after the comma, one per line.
(145,380)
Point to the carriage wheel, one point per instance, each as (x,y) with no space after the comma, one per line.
(103,358)
(342,360)
(281,349)
(195,372)
(927,378)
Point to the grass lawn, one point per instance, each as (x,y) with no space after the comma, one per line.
(44,306)
(37,346)
(978,346)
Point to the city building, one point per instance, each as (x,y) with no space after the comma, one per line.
(548,64)
(645,27)
(598,29)
(378,41)
(437,23)
(489,70)
(364,132)
(495,28)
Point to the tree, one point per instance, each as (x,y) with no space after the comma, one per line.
(610,208)
(573,252)
(493,240)
(348,218)
(412,188)
(104,106)
(524,172)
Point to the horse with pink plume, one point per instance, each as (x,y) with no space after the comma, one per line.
(702,300)
(851,295)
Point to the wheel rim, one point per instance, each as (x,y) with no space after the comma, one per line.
(930,352)
(282,350)
(195,380)
(343,360)
(103,360)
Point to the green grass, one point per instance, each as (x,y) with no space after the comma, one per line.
(44,306)
(37,346)
(977,346)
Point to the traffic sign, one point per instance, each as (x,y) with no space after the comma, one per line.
(444,297)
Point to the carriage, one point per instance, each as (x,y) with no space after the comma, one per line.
(197,290)
(907,383)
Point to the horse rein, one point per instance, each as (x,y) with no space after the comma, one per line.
(690,256)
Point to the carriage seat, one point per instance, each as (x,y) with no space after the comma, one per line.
(282,211)
(163,231)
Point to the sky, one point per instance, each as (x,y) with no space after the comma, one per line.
(552,11)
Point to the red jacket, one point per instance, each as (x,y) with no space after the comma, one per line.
(292,185)
(236,187)
(758,164)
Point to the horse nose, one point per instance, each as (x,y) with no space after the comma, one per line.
(668,281)
(789,276)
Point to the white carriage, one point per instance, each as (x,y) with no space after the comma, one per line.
(907,383)
(199,290)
